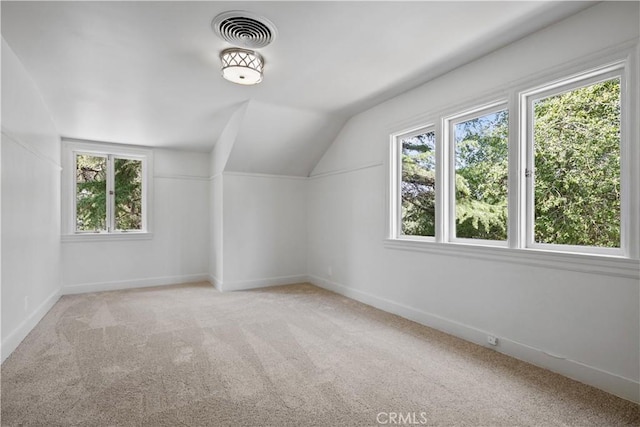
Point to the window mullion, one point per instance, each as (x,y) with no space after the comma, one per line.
(397,190)
(450,169)
(518,170)
(110,195)
(145,199)
(627,225)
(515,174)
(74,198)
(528,172)
(442,183)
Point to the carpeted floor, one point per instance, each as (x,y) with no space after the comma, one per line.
(286,356)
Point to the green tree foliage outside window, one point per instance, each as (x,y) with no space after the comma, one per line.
(481,180)
(577,166)
(481,148)
(92,198)
(128,194)
(418,187)
(577,172)
(91,193)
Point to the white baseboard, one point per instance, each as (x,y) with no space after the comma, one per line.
(135,283)
(244,285)
(215,282)
(13,340)
(622,387)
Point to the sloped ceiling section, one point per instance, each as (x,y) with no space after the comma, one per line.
(279,140)
(224,145)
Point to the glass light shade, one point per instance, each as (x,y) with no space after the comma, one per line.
(242,66)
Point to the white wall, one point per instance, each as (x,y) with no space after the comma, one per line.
(178,251)
(584,325)
(216,232)
(258,224)
(218,159)
(264,230)
(30,204)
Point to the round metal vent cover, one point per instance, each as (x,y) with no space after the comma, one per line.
(244,29)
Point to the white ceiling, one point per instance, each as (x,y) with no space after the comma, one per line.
(148,72)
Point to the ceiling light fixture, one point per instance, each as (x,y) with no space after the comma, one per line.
(242,66)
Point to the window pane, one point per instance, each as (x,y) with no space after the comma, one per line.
(481,148)
(577,166)
(418,189)
(91,193)
(128,194)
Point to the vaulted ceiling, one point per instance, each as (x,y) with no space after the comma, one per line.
(148,73)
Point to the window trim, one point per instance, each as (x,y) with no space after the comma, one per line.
(626,265)
(70,149)
(570,261)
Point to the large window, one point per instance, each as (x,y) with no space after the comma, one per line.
(106,189)
(575,143)
(545,170)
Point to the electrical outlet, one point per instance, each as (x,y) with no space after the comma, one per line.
(492,340)
(330,271)
(26,303)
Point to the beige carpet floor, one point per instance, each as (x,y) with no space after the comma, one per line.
(285,356)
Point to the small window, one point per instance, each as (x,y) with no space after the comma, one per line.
(418,182)
(107,189)
(480,148)
(575,170)
(108,193)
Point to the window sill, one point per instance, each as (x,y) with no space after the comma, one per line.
(105,237)
(584,263)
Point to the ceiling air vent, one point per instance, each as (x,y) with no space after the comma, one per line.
(244,29)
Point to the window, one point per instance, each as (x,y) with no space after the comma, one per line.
(418,182)
(106,189)
(566,159)
(480,173)
(574,167)
(105,204)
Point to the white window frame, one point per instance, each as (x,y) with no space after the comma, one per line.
(624,262)
(450,195)
(70,150)
(396,181)
(593,76)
